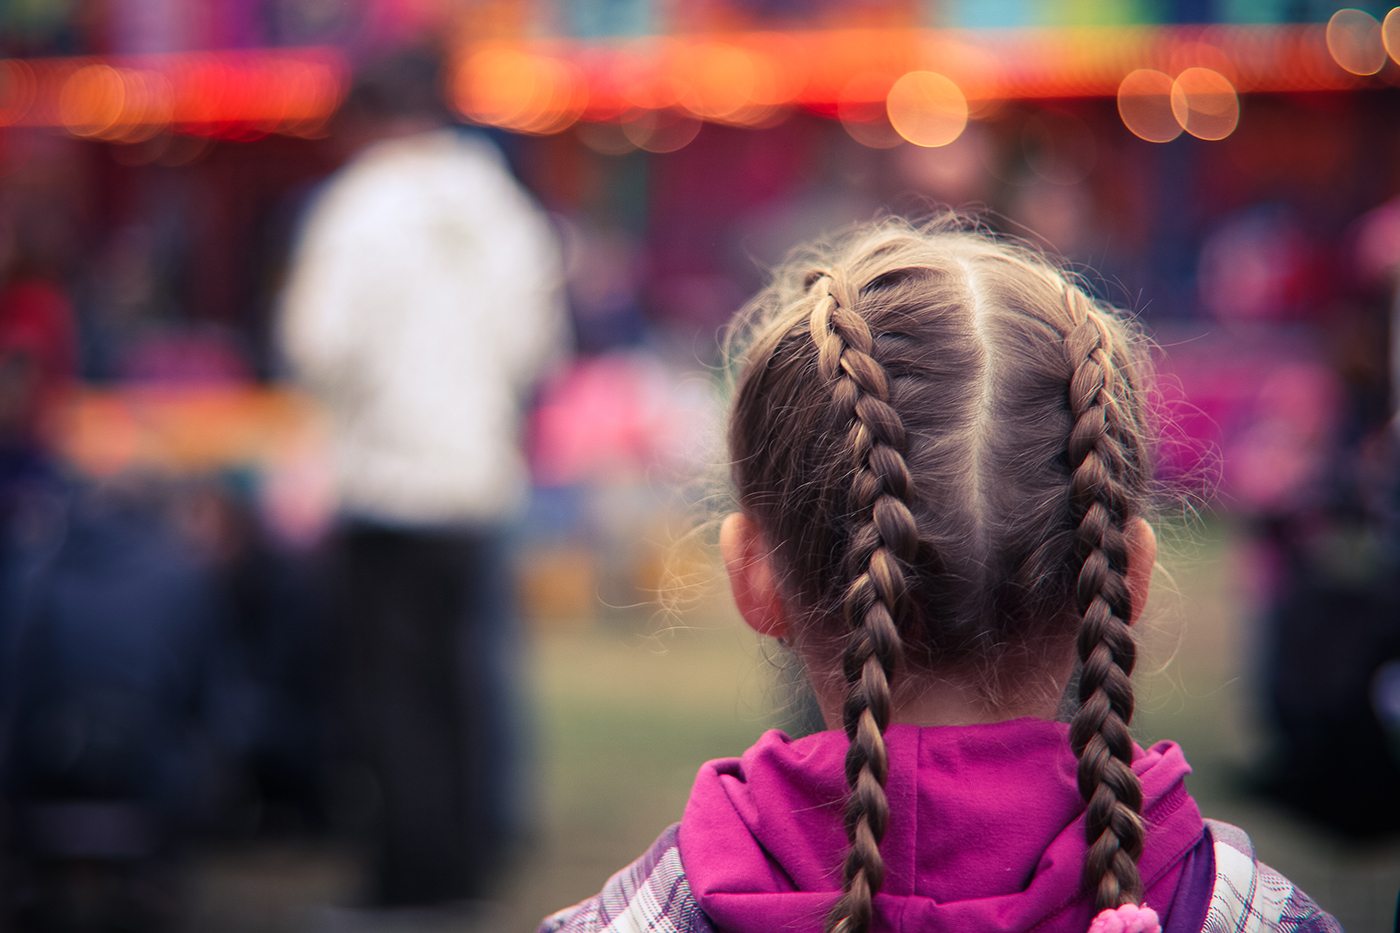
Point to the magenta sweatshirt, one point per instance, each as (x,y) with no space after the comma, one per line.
(986,831)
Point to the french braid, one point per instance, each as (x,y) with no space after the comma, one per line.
(943,440)
(1099,731)
(877,597)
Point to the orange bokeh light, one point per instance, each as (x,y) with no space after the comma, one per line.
(1354,39)
(1205,103)
(1390,34)
(313,92)
(236,95)
(1145,104)
(91,100)
(743,79)
(566,98)
(738,83)
(781,68)
(754,79)
(146,108)
(927,109)
(497,85)
(721,79)
(646,75)
(507,87)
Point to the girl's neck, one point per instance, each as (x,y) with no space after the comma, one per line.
(938,701)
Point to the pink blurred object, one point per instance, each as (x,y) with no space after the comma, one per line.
(1274,463)
(1248,420)
(614,417)
(1378,241)
(1129,918)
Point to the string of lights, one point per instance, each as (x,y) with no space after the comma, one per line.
(228,94)
(886,86)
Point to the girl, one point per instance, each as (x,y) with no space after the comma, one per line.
(943,458)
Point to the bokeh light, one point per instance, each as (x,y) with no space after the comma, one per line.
(1355,41)
(232,95)
(771,93)
(605,137)
(722,78)
(745,79)
(147,108)
(518,90)
(1390,34)
(862,110)
(646,74)
(661,130)
(1145,104)
(927,109)
(780,68)
(1205,103)
(1201,53)
(310,94)
(16,90)
(204,95)
(91,100)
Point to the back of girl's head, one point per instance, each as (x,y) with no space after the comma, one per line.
(943,439)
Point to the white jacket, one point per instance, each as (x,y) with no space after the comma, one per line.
(424,299)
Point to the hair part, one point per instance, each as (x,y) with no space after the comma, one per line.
(944,438)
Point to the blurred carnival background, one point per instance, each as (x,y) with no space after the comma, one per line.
(236,239)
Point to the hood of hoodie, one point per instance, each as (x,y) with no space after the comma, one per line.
(986,831)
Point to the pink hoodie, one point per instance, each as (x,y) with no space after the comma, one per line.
(986,831)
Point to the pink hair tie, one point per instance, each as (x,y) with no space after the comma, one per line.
(1129,918)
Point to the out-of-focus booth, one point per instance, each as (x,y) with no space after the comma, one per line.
(1225,165)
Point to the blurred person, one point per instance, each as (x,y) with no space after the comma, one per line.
(105,754)
(942,451)
(106,627)
(159,686)
(38,361)
(423,302)
(266,697)
(38,349)
(1315,470)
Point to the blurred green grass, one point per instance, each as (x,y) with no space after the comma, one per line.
(626,720)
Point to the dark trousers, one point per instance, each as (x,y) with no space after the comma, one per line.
(430,677)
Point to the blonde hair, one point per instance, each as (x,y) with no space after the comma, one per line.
(943,438)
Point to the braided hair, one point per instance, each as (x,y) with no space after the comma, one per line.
(1099,732)
(943,438)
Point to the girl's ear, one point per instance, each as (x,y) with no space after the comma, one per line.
(751,576)
(1142,557)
